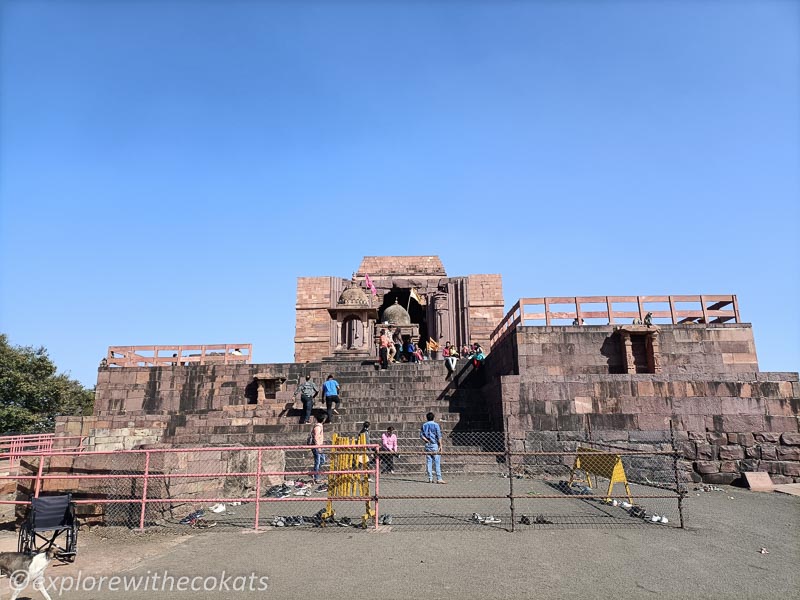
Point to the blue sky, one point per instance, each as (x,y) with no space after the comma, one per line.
(168,169)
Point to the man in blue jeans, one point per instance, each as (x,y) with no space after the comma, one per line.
(317,438)
(431,434)
(330,394)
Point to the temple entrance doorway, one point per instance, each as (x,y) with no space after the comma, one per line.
(417,313)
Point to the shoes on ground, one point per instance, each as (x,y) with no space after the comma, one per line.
(217,508)
(442,481)
(491,520)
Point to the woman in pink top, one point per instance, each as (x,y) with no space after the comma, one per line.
(389,450)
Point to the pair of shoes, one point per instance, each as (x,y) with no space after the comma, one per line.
(442,481)
(217,508)
(385,520)
(491,520)
(477,518)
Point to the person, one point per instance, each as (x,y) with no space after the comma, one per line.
(383,351)
(397,340)
(364,431)
(308,390)
(465,352)
(418,355)
(450,359)
(392,348)
(330,394)
(388,450)
(236,352)
(315,439)
(410,351)
(478,356)
(431,434)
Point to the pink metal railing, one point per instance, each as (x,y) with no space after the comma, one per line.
(12,446)
(705,309)
(170,356)
(146,476)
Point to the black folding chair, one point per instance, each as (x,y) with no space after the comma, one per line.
(54,514)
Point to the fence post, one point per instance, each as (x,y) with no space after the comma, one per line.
(377,484)
(39,476)
(677,472)
(510,475)
(258,487)
(144,489)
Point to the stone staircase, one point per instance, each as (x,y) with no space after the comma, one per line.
(400,396)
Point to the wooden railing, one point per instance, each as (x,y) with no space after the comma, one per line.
(705,309)
(170,356)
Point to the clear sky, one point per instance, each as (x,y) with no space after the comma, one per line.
(168,169)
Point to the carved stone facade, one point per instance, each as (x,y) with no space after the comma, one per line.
(459,310)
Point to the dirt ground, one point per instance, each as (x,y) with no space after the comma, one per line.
(717,556)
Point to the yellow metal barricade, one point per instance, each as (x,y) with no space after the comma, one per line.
(348,485)
(600,464)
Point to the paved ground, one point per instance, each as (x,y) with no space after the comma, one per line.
(717,556)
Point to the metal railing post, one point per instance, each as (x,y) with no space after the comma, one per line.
(677,472)
(258,488)
(144,489)
(377,484)
(39,477)
(510,476)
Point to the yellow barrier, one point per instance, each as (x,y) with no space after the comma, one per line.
(348,485)
(600,464)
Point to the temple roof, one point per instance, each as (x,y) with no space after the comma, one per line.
(398,266)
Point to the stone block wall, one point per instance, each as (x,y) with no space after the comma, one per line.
(486,307)
(313,321)
(564,350)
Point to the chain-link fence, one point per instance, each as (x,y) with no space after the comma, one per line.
(475,479)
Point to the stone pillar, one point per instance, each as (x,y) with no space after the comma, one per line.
(654,356)
(630,366)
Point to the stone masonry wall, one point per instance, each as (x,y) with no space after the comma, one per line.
(561,350)
(313,321)
(486,307)
(727,420)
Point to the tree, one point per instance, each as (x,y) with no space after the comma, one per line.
(33,394)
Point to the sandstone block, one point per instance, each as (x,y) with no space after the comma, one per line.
(767,436)
(731,452)
(728,466)
(789,453)
(720,478)
(705,451)
(717,438)
(706,466)
(791,439)
(790,469)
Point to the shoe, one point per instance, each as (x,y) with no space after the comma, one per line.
(336,412)
(217,508)
(430,480)
(477,518)
(442,481)
(386,520)
(303,492)
(664,520)
(491,520)
(392,471)
(192,517)
(525,520)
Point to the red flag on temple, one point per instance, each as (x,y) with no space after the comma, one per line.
(370,285)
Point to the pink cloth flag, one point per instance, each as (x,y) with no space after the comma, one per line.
(370,285)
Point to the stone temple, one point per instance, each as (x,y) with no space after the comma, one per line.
(621,367)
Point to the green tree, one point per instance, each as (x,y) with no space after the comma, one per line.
(33,393)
